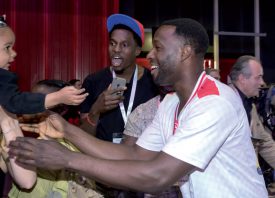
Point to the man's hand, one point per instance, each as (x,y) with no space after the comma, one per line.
(107,100)
(46,154)
(53,127)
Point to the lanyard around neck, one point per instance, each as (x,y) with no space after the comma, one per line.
(176,121)
(132,97)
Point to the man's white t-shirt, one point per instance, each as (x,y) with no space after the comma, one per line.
(213,135)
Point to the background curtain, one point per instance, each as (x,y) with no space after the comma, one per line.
(58,39)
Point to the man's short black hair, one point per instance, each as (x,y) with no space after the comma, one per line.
(124,27)
(192,32)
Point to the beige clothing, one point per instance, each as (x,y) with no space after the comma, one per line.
(261,136)
(59,184)
(3,154)
(265,145)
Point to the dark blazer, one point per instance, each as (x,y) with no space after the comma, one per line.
(15,101)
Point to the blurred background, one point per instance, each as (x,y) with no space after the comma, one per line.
(67,39)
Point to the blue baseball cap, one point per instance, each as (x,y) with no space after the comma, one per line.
(130,22)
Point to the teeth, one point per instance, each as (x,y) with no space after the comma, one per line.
(154,67)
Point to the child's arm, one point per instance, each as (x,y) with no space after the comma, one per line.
(68,95)
(24,176)
(15,101)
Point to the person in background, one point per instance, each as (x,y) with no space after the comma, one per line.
(76,83)
(104,113)
(247,78)
(215,73)
(69,112)
(187,142)
(273,101)
(18,102)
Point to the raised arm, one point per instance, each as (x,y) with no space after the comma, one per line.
(68,95)
(23,175)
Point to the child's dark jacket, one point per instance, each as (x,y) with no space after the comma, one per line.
(15,101)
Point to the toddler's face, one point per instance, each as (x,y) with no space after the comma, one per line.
(7,54)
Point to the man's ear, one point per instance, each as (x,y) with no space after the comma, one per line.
(186,51)
(241,78)
(138,51)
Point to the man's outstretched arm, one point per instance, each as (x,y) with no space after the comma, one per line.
(142,175)
(56,127)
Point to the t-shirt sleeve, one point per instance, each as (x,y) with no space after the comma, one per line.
(141,117)
(134,127)
(202,130)
(151,138)
(3,154)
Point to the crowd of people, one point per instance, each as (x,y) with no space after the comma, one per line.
(173,131)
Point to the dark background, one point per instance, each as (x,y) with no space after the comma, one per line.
(234,15)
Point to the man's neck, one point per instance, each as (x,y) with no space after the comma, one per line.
(185,87)
(241,93)
(127,73)
(247,102)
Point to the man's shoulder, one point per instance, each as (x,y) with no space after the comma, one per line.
(150,105)
(146,73)
(169,101)
(228,93)
(99,75)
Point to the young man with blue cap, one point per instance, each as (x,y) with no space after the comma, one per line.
(104,114)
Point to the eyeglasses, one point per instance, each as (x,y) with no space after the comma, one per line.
(3,22)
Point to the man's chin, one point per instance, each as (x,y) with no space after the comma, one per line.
(161,83)
(118,70)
